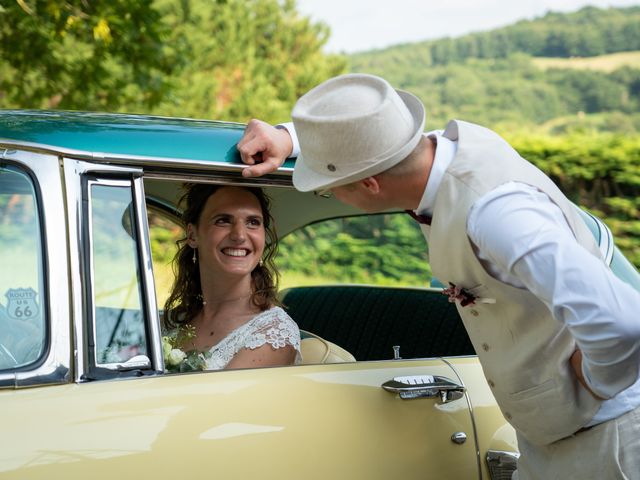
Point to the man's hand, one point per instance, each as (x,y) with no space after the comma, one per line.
(263,146)
(576,364)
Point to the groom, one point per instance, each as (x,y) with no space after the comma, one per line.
(556,331)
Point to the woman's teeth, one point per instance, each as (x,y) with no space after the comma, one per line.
(235,252)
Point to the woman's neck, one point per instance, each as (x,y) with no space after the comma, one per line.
(231,295)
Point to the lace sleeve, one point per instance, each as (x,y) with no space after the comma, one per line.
(273,327)
(276,328)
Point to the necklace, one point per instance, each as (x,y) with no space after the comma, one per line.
(204,302)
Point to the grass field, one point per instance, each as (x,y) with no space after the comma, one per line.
(605,63)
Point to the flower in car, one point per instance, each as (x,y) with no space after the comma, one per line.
(175,358)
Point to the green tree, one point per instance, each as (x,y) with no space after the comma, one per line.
(78,54)
(243,58)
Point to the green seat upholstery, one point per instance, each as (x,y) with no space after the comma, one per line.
(368,321)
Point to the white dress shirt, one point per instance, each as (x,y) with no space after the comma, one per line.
(535,249)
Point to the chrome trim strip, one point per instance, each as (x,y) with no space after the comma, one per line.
(148,282)
(605,240)
(216,178)
(491,454)
(141,160)
(55,368)
(80,251)
(72,172)
(506,462)
(473,418)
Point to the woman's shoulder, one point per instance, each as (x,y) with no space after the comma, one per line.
(273,315)
(276,327)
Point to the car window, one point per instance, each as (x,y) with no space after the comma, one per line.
(383,249)
(364,283)
(120,331)
(22,319)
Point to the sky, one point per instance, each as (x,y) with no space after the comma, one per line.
(358,25)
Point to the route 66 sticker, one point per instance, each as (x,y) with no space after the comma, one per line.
(22,304)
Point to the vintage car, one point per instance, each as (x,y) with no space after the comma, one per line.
(389,386)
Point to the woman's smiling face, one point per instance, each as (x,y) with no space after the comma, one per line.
(230,234)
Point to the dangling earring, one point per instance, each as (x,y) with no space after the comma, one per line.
(194,258)
(261,263)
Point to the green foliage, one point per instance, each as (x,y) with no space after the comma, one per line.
(380,249)
(223,59)
(597,171)
(587,32)
(98,55)
(243,58)
(513,92)
(235,59)
(490,77)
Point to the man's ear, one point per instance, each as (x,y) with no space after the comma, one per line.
(191,235)
(371,184)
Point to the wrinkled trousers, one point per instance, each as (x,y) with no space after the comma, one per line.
(608,451)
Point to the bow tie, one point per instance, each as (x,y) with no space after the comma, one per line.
(423,219)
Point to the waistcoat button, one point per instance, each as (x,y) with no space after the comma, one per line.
(485,347)
(507,415)
(491,384)
(474,312)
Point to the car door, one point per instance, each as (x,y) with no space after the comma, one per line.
(122,417)
(320,421)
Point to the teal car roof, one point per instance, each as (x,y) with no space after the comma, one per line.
(115,134)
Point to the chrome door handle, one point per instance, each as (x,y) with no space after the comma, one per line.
(425,386)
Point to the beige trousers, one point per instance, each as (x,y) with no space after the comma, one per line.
(609,451)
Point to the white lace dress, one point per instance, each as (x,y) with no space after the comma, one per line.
(273,326)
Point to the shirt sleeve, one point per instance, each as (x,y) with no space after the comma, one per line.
(295,151)
(523,239)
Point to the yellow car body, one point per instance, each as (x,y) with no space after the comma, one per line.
(69,411)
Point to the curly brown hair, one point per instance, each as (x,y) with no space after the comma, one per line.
(185,300)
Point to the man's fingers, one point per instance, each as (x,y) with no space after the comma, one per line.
(263,168)
(263,147)
(251,149)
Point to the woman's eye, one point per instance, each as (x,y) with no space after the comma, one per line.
(221,220)
(255,222)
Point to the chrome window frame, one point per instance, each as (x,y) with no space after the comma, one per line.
(55,366)
(76,173)
(89,181)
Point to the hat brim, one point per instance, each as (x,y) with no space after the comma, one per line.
(305,179)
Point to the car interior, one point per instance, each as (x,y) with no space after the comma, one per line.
(343,322)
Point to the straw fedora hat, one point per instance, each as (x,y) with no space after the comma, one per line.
(352,127)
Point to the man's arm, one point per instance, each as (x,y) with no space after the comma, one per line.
(527,242)
(264,147)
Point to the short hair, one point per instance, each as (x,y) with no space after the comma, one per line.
(408,165)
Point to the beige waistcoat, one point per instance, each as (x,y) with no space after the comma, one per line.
(524,351)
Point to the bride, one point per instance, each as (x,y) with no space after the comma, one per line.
(226,281)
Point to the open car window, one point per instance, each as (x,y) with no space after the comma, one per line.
(382,249)
(364,283)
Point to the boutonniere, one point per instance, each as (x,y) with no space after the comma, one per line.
(459,294)
(463,296)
